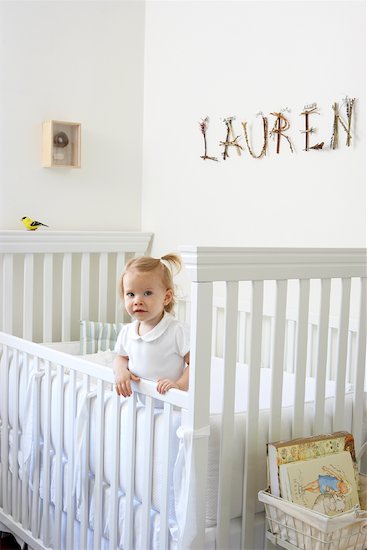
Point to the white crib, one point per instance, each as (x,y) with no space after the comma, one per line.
(278,344)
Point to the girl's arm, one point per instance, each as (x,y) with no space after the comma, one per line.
(123,376)
(181,384)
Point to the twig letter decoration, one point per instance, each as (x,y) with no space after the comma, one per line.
(349,104)
(204,128)
(280,126)
(265,143)
(230,142)
(308,110)
(280,129)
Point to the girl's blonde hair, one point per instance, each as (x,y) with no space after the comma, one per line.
(163,265)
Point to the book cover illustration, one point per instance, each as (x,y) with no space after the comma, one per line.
(313,447)
(306,448)
(325,484)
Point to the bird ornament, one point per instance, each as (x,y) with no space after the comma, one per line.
(31,225)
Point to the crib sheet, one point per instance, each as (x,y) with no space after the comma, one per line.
(215,430)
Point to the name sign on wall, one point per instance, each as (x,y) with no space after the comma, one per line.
(342,118)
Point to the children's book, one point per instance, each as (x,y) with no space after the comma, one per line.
(284,452)
(325,484)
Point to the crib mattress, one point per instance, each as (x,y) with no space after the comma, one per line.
(215,431)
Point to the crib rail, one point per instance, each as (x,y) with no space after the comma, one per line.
(53,457)
(206,264)
(339,276)
(52,279)
(292,333)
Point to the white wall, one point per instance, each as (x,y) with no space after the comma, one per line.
(223,58)
(83,61)
(76,61)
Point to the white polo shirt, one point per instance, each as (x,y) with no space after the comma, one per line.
(157,354)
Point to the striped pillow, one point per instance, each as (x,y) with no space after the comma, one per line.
(97,336)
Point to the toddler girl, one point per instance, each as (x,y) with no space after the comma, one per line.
(155,345)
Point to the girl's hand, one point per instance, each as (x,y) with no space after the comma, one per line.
(123,379)
(165,384)
(182,383)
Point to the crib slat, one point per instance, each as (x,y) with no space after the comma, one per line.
(103,287)
(115,454)
(28,296)
(268,329)
(15,474)
(215,339)
(197,417)
(66,297)
(301,357)
(84,505)
(36,437)
(360,361)
(99,445)
(277,361)
(291,335)
(166,450)
(322,346)
(227,433)
(7,293)
(4,404)
(148,460)
(25,481)
(252,417)
(242,325)
(339,402)
(47,297)
(119,311)
(59,440)
(350,372)
(46,451)
(84,285)
(310,349)
(330,368)
(70,502)
(130,471)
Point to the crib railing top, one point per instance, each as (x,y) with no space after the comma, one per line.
(14,241)
(49,280)
(241,264)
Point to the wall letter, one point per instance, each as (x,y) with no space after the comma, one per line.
(308,110)
(280,126)
(230,143)
(204,128)
(349,104)
(265,144)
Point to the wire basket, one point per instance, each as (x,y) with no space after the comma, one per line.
(295,527)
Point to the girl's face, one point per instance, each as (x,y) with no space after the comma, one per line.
(145,296)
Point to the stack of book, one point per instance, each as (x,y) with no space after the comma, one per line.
(318,472)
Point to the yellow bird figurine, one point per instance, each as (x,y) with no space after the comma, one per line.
(31,225)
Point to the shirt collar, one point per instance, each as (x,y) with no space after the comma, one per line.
(156,331)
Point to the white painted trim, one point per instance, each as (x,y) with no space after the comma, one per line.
(244,264)
(73,241)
